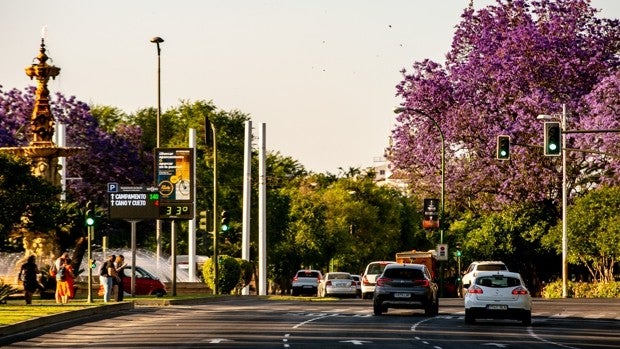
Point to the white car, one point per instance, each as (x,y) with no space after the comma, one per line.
(358,284)
(369,278)
(337,284)
(472,271)
(498,295)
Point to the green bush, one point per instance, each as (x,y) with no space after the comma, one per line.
(582,290)
(6,290)
(229,273)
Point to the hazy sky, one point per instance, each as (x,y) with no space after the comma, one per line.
(320,73)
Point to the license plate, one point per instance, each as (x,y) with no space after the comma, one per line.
(497,307)
(307,286)
(402,295)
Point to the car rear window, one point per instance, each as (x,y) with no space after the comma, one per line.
(491,267)
(402,273)
(308,274)
(339,276)
(376,268)
(498,281)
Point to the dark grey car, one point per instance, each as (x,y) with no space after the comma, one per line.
(407,286)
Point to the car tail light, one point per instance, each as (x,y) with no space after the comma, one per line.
(519,291)
(424,283)
(383,281)
(475,290)
(295,278)
(365,280)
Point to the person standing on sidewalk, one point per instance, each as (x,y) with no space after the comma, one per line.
(54,269)
(119,266)
(65,281)
(28,276)
(107,274)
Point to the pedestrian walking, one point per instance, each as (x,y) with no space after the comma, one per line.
(65,281)
(120,265)
(28,276)
(107,273)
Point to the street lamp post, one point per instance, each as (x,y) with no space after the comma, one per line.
(443,178)
(157,40)
(564,199)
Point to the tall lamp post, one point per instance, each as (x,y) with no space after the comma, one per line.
(157,40)
(443,177)
(564,198)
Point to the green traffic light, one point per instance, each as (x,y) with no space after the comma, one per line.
(552,140)
(90,221)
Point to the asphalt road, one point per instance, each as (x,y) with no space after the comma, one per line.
(253,322)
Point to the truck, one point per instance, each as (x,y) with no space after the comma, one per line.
(428,258)
(449,283)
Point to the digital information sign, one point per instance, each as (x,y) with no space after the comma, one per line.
(175,168)
(133,202)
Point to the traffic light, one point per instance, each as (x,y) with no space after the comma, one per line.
(89,216)
(552,139)
(503,147)
(458,249)
(202,223)
(225,221)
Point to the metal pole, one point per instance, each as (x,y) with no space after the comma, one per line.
(191,239)
(90,269)
(215,220)
(262,215)
(173,253)
(247,195)
(157,40)
(564,207)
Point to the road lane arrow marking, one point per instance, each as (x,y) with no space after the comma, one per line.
(355,342)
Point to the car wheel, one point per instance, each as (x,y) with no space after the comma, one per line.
(378,309)
(526,320)
(159,293)
(469,318)
(294,293)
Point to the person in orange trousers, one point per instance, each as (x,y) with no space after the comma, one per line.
(64,286)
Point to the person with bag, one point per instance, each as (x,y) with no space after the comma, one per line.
(54,270)
(107,273)
(28,276)
(64,281)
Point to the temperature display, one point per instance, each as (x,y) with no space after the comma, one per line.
(176,211)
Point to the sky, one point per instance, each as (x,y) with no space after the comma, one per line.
(321,74)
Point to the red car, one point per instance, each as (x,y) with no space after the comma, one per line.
(146,283)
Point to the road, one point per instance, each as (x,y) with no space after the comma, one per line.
(252,322)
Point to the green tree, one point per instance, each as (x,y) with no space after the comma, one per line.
(29,205)
(593,232)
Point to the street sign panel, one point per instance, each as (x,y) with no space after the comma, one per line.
(133,202)
(442,252)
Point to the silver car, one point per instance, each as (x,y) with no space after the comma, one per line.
(337,284)
(498,295)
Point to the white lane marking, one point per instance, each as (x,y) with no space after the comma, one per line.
(535,336)
(322,316)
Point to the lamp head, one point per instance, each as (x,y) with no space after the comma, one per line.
(157,40)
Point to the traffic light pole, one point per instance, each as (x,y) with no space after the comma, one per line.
(90,231)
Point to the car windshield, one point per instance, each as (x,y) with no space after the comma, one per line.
(491,267)
(408,274)
(498,281)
